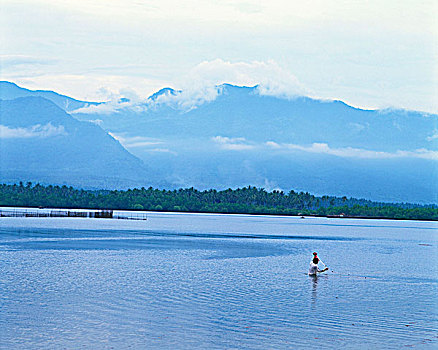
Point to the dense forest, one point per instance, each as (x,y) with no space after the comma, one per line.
(250,200)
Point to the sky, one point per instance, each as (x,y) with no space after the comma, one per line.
(370,54)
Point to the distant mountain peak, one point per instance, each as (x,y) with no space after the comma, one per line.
(163,92)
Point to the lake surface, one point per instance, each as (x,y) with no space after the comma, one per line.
(204,281)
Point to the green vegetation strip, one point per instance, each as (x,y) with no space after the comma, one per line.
(248,200)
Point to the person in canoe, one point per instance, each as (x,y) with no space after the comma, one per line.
(313,268)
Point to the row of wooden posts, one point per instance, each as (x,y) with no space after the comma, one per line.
(100,214)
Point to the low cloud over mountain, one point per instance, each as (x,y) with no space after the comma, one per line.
(40,142)
(227,136)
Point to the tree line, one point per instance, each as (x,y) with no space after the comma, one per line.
(247,200)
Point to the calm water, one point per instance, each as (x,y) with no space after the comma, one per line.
(217,282)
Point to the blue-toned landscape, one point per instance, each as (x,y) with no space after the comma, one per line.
(217,282)
(168,169)
(239,137)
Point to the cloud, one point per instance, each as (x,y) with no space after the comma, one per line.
(147,143)
(358,126)
(188,98)
(270,186)
(323,44)
(102,108)
(350,152)
(135,141)
(96,121)
(233,144)
(10,61)
(273,144)
(419,153)
(123,99)
(203,83)
(242,144)
(433,137)
(162,150)
(269,76)
(38,130)
(89,86)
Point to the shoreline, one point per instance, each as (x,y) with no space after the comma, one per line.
(302,216)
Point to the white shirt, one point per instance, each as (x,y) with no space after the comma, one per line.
(313,268)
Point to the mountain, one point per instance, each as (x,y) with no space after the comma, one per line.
(10,91)
(242,112)
(163,92)
(40,142)
(230,136)
(241,137)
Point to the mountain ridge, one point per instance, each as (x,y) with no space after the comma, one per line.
(41,142)
(10,90)
(236,137)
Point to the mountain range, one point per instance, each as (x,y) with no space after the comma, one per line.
(40,142)
(226,136)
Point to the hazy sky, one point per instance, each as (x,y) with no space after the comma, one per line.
(368,53)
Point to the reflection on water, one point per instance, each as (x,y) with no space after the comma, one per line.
(216,281)
(314,280)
